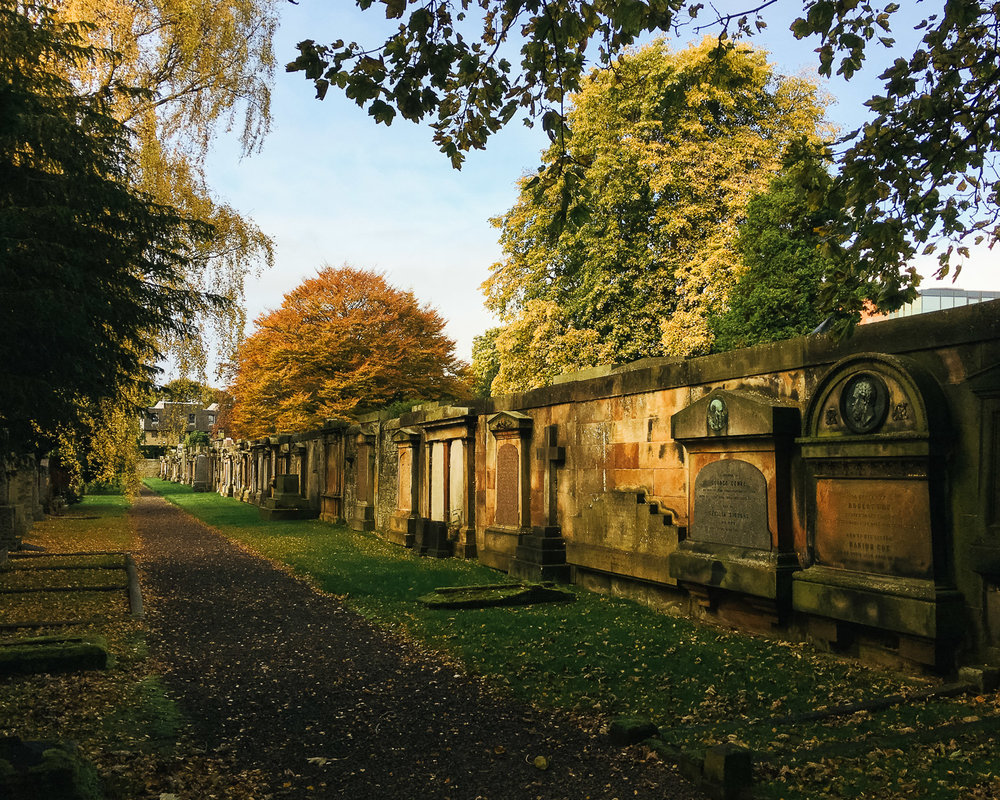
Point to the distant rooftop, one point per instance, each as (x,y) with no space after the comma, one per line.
(939,300)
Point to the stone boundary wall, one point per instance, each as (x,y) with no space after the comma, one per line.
(744,486)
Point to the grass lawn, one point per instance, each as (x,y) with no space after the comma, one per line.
(608,657)
(122,718)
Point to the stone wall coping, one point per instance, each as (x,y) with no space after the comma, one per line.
(406,436)
(746,414)
(906,335)
(509,420)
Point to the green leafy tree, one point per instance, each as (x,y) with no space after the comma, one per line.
(921,177)
(187,390)
(780,246)
(197,438)
(541,344)
(204,67)
(669,148)
(485,362)
(90,266)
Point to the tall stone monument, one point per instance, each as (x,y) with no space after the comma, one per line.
(875,446)
(740,544)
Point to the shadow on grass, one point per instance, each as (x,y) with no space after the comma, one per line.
(605,657)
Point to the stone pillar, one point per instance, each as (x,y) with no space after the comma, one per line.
(404,525)
(364,511)
(302,451)
(508,491)
(541,554)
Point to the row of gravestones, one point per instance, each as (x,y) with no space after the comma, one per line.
(24,492)
(871,451)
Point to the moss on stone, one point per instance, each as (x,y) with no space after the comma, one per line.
(52,654)
(516,594)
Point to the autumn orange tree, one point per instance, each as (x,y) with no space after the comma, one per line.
(342,343)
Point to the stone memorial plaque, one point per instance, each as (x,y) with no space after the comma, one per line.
(730,505)
(405,464)
(456,488)
(864,402)
(508,478)
(880,526)
(437,481)
(362,468)
(333,467)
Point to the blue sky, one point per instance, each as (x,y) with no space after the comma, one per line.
(332,187)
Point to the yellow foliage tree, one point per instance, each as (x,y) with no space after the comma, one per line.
(666,150)
(542,336)
(204,66)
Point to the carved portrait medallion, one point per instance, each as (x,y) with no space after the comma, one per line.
(864,402)
(718,415)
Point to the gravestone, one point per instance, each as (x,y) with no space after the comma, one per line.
(507,481)
(331,470)
(456,485)
(403,499)
(202,473)
(874,450)
(448,497)
(286,502)
(541,554)
(508,485)
(438,490)
(740,541)
(405,523)
(730,505)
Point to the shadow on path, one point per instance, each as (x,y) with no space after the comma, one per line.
(277,674)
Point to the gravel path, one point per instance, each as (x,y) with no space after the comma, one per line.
(285,680)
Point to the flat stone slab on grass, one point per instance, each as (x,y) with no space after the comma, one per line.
(51,654)
(61,561)
(626,731)
(505,594)
(64,580)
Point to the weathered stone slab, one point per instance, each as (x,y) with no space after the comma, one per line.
(456,484)
(508,480)
(51,654)
(437,481)
(730,505)
(508,594)
(403,501)
(626,731)
(880,526)
(874,448)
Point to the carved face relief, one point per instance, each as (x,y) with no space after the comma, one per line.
(718,415)
(864,403)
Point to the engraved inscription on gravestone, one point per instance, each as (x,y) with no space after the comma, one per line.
(730,505)
(508,477)
(456,490)
(880,526)
(362,480)
(437,481)
(404,480)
